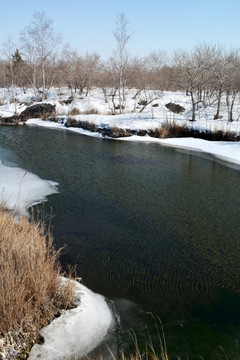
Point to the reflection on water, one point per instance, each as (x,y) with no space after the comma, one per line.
(149,224)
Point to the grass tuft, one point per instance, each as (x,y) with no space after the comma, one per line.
(74,111)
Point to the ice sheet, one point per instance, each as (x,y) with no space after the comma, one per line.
(20,189)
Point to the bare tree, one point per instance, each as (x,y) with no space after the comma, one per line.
(122,36)
(40,44)
(8,50)
(219,67)
(154,63)
(191,76)
(232,82)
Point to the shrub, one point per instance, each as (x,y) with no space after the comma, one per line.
(92,111)
(46,114)
(74,111)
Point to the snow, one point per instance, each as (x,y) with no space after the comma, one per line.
(20,189)
(53,125)
(76,332)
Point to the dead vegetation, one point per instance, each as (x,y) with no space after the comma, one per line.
(31,294)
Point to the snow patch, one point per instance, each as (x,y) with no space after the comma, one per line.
(76,332)
(20,189)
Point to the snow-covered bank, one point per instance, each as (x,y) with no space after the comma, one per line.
(20,189)
(228,151)
(76,332)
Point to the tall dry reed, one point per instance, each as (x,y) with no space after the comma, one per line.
(30,291)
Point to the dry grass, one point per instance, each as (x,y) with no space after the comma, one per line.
(94,127)
(171,129)
(92,111)
(30,292)
(46,114)
(74,111)
(149,352)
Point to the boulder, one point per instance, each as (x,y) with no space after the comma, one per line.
(69,100)
(142,102)
(176,108)
(12,120)
(37,111)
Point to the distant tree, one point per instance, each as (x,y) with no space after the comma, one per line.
(8,49)
(220,63)
(122,36)
(190,76)
(40,44)
(232,82)
(79,72)
(19,69)
(154,63)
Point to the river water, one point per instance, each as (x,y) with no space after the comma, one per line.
(152,228)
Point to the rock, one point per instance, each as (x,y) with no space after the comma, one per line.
(155,105)
(37,111)
(117,107)
(142,102)
(69,100)
(176,108)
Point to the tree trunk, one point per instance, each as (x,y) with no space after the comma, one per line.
(216,116)
(193,107)
(43,82)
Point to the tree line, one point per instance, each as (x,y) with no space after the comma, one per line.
(208,73)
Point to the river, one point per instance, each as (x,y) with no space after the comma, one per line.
(154,229)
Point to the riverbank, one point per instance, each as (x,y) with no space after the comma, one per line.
(228,151)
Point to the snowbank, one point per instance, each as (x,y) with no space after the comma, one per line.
(76,332)
(20,189)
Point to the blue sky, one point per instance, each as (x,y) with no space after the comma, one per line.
(155,24)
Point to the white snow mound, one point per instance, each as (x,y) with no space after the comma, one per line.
(76,332)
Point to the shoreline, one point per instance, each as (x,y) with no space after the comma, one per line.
(224,151)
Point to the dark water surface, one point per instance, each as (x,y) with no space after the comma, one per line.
(153,228)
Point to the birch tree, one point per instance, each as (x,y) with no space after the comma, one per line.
(122,36)
(40,43)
